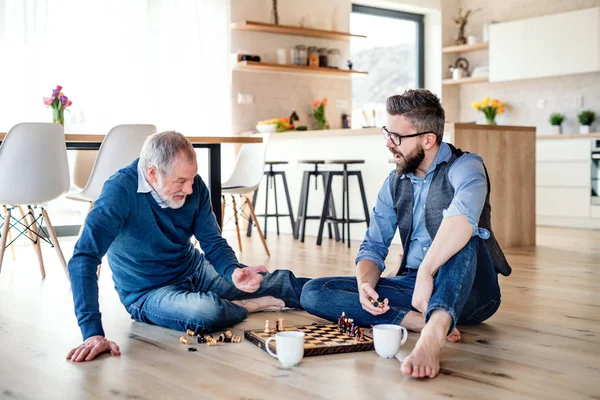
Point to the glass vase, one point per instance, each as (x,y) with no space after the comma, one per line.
(58,116)
(490,121)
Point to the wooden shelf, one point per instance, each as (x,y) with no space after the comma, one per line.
(466,48)
(260,66)
(464,80)
(291,30)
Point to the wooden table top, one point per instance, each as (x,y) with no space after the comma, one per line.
(85,138)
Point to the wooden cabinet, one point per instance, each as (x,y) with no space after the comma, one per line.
(559,44)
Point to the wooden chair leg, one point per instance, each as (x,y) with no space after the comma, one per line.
(36,240)
(260,234)
(4,236)
(12,248)
(52,233)
(237,224)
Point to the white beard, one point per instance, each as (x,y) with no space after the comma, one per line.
(169,201)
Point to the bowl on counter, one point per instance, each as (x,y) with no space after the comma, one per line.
(266,128)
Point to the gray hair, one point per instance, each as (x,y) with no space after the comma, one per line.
(421,108)
(161,149)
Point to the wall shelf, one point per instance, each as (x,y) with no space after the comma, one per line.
(464,80)
(291,30)
(464,48)
(264,67)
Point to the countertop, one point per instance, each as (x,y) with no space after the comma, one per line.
(571,136)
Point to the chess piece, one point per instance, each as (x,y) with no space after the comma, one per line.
(267,327)
(281,328)
(276,326)
(190,332)
(351,332)
(201,339)
(184,340)
(191,349)
(350,64)
(362,335)
(228,334)
(221,338)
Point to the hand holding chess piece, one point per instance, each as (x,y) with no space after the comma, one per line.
(369,297)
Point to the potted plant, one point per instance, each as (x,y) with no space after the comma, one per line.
(490,108)
(556,120)
(586,119)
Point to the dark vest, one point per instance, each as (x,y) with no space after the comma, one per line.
(439,198)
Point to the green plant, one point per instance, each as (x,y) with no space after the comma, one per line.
(557,118)
(586,117)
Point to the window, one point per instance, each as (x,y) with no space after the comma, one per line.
(392,54)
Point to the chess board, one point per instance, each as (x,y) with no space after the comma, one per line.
(319,339)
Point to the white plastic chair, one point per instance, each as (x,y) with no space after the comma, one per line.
(33,170)
(120,147)
(245,178)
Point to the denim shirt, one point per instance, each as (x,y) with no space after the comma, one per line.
(467,176)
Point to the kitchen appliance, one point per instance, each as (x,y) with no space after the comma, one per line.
(595,171)
(460,68)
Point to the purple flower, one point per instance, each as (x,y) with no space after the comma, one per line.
(55,92)
(63,99)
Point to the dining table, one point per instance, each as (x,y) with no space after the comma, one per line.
(77,141)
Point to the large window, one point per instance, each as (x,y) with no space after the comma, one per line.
(158,62)
(393,54)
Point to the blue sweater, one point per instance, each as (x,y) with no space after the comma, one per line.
(148,246)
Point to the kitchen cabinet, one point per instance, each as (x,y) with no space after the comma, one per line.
(552,45)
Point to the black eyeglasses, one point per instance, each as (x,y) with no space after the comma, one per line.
(396,138)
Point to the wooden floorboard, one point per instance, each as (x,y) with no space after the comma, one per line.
(543,343)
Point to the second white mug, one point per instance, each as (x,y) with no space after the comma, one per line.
(289,346)
(388,339)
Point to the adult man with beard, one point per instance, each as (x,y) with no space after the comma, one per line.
(144,218)
(438,198)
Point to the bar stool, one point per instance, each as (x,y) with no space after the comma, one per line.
(271,175)
(345,220)
(303,205)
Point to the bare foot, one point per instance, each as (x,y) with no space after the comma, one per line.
(454,336)
(424,360)
(267,303)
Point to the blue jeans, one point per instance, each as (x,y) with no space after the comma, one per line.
(203,300)
(466,287)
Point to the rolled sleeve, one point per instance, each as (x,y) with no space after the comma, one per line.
(381,231)
(467,176)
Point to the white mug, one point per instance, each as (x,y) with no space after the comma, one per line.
(290,347)
(388,339)
(282,56)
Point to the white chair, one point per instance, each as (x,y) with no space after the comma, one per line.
(33,170)
(245,178)
(119,148)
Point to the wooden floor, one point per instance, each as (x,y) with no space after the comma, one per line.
(544,342)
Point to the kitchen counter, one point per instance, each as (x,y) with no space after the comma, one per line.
(325,133)
(570,136)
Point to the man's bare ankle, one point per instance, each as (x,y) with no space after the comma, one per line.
(413,321)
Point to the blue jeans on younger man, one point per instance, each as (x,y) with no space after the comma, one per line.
(202,301)
(466,287)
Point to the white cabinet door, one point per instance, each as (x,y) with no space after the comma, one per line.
(559,44)
(558,150)
(562,44)
(507,51)
(563,174)
(563,202)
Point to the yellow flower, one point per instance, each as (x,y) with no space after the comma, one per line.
(496,103)
(61,94)
(500,110)
(486,101)
(475,105)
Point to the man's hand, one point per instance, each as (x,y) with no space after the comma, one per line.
(248,279)
(366,293)
(422,292)
(91,348)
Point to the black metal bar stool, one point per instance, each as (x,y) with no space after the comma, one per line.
(303,205)
(271,175)
(345,220)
